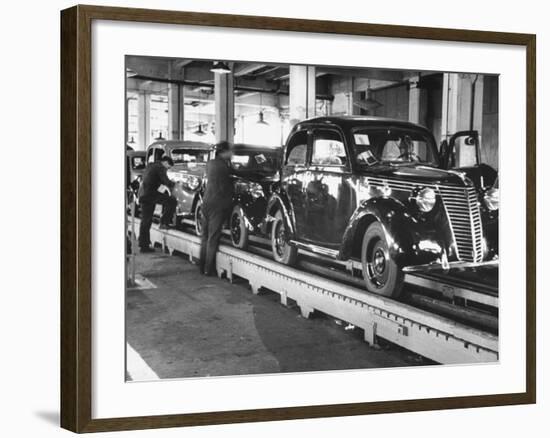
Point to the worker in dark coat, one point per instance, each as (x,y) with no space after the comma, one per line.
(217,203)
(149,196)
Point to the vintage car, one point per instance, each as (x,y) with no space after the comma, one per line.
(374,190)
(135,165)
(188,173)
(255,170)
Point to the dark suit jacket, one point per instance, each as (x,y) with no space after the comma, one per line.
(153,177)
(219,186)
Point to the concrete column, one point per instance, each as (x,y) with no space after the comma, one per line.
(175,112)
(225,106)
(478,104)
(144,117)
(417,101)
(458,91)
(302,93)
(458,113)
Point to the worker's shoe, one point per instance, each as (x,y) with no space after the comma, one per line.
(146,249)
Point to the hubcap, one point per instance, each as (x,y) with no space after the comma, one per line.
(236,228)
(377,258)
(379,262)
(280,239)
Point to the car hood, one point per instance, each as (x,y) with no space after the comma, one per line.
(417,174)
(198,170)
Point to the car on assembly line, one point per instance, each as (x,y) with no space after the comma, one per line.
(188,172)
(375,190)
(255,170)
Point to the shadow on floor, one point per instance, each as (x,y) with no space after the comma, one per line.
(51,417)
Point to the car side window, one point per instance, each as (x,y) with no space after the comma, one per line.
(297,149)
(150,156)
(328,149)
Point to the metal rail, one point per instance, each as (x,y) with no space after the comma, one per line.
(448,285)
(432,336)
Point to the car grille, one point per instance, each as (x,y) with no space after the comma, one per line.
(461,204)
(462,208)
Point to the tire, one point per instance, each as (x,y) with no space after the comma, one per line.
(283,252)
(382,274)
(238,228)
(198,218)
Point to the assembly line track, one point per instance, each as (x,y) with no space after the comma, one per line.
(427,334)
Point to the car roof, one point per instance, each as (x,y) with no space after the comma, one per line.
(174,144)
(251,147)
(133,153)
(354,121)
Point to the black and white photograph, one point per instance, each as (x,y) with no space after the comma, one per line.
(293,218)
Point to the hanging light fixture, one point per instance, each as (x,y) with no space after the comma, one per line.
(370,103)
(131,141)
(220,67)
(261,120)
(130,73)
(160,137)
(199,131)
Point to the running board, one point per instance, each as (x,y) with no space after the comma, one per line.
(449,265)
(332,253)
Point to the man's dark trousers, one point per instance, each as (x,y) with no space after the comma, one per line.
(213,219)
(147,205)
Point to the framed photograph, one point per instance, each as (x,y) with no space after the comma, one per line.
(268,219)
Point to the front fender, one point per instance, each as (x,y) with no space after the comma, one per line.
(279,201)
(410,243)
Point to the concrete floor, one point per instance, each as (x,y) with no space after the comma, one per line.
(189,325)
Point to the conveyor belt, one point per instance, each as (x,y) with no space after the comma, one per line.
(430,335)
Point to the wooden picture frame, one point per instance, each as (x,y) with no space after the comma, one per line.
(76,218)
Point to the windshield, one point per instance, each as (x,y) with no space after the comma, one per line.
(394,146)
(189,156)
(265,162)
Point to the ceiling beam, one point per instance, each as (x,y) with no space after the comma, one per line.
(367,73)
(247,69)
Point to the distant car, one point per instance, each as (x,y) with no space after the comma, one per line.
(135,165)
(188,173)
(375,190)
(462,153)
(255,169)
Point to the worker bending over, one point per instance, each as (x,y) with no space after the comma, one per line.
(149,196)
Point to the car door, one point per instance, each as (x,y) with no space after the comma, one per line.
(328,194)
(293,175)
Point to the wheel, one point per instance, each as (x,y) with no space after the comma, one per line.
(198,218)
(238,229)
(381,273)
(283,252)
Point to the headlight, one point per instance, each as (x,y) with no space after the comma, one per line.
(171,174)
(256,190)
(491,198)
(193,183)
(425,199)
